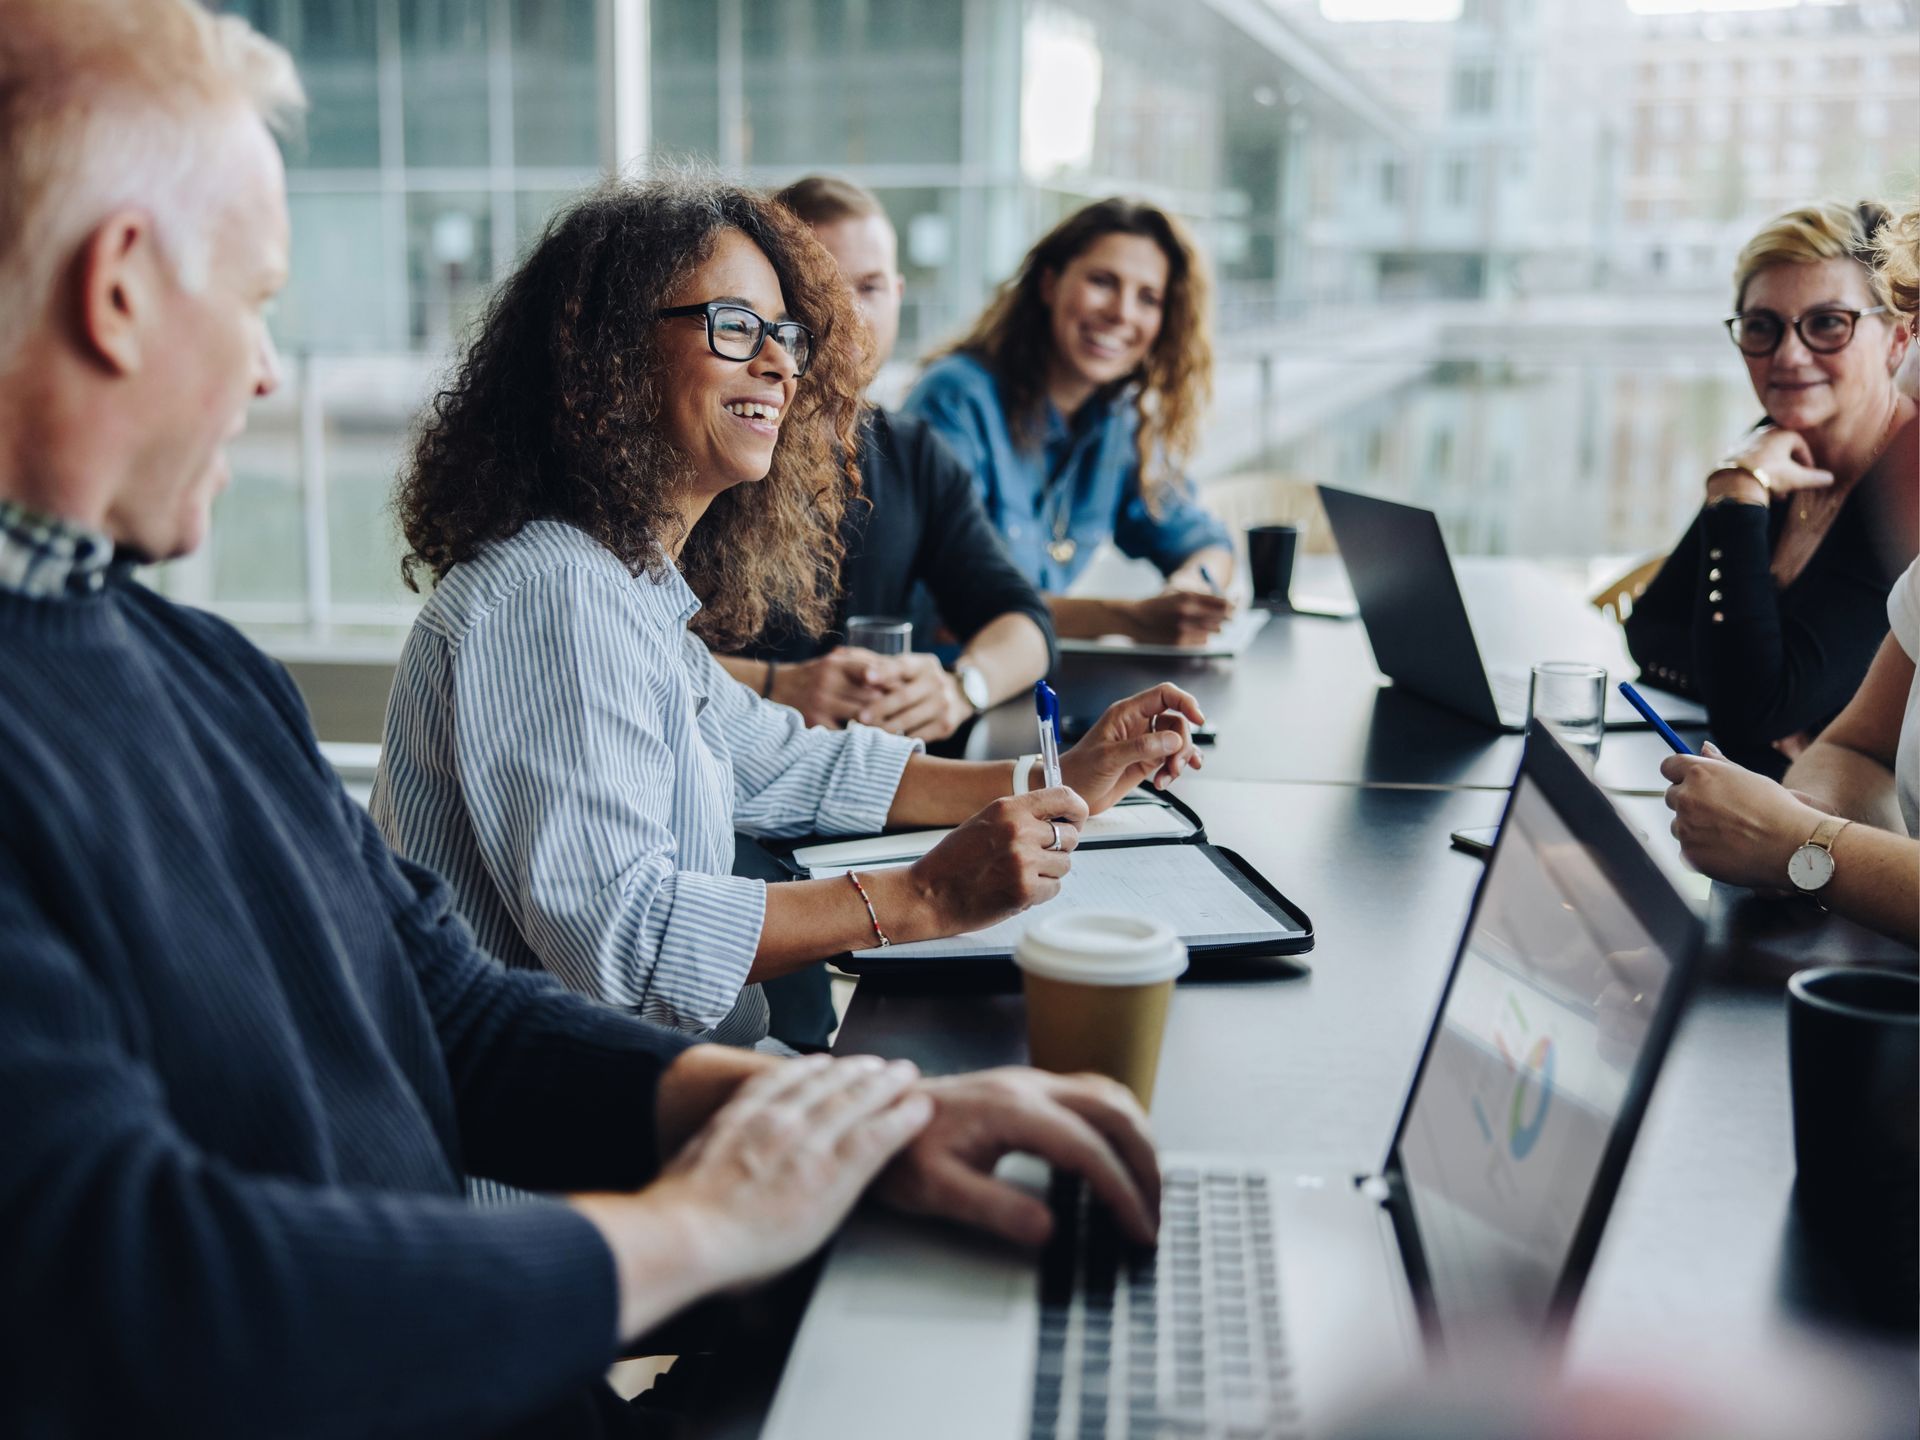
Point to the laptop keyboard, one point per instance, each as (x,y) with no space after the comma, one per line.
(1170,1343)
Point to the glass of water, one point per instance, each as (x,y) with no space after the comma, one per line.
(882,634)
(1570,699)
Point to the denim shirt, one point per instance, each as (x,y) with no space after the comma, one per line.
(1092,460)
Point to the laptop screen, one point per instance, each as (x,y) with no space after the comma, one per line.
(1531,1064)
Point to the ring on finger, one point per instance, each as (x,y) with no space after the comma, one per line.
(1055,843)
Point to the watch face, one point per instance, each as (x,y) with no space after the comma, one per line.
(1810,867)
(973,685)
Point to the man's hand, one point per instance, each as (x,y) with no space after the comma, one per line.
(1142,737)
(834,688)
(1732,824)
(1177,616)
(1084,1123)
(917,698)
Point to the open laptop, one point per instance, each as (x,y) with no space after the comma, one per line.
(1274,1300)
(1424,641)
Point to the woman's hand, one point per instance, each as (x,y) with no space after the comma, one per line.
(1177,616)
(1732,824)
(997,864)
(1143,737)
(1783,454)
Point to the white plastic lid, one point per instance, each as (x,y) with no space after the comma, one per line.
(1091,949)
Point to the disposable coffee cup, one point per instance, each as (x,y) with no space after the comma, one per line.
(1270,551)
(1098,988)
(1853,1048)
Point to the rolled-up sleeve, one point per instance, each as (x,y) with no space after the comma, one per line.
(570,783)
(792,779)
(1181,525)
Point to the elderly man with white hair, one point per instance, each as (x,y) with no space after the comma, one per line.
(249,1057)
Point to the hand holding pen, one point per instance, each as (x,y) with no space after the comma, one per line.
(1145,738)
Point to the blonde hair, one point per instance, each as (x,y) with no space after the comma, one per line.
(119,103)
(1825,230)
(1896,248)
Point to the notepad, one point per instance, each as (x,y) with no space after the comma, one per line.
(1144,821)
(1231,639)
(1179,885)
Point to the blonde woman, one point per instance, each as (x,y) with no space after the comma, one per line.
(1771,606)
(1075,401)
(1842,826)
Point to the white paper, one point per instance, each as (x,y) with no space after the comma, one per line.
(1123,822)
(1176,884)
(1232,639)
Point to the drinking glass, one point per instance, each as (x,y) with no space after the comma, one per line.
(882,634)
(1570,698)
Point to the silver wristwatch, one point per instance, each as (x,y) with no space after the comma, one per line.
(973,686)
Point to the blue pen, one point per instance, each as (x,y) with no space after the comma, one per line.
(1212,584)
(1047,706)
(1638,701)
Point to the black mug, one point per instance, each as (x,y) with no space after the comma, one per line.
(1853,1049)
(1270,561)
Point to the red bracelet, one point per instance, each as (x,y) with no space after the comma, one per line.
(867,900)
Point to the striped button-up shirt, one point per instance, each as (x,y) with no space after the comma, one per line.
(575,763)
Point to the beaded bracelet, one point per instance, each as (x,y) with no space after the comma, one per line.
(867,900)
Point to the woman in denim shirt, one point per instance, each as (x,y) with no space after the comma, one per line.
(1076,400)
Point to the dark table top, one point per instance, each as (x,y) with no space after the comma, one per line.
(1305,703)
(1309,1061)
(1342,792)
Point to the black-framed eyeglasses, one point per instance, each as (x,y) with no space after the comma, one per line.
(735,333)
(1823,331)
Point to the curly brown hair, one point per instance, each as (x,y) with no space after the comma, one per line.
(553,412)
(1014,338)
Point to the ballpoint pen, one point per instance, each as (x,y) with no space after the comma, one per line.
(1639,702)
(1212,584)
(1046,706)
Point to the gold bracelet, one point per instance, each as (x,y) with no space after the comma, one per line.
(872,916)
(1764,480)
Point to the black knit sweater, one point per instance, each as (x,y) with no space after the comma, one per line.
(247,1058)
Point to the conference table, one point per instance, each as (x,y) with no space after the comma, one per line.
(1343,792)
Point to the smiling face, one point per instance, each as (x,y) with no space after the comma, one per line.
(1802,389)
(1105,308)
(725,415)
(206,357)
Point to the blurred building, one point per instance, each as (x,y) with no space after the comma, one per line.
(1739,115)
(443,133)
(1517,112)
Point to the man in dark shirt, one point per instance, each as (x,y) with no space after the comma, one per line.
(920,530)
(249,1056)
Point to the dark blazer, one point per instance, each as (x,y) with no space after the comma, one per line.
(1768,662)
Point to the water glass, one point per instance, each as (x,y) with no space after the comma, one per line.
(1570,699)
(882,634)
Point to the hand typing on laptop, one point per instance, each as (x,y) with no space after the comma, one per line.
(776,1152)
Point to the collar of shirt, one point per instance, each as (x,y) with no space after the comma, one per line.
(46,558)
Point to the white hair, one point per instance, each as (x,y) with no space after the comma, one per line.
(108,105)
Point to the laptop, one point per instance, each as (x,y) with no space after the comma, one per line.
(1417,621)
(1275,1300)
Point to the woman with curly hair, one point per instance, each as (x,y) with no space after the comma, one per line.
(1076,401)
(1842,825)
(638,454)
